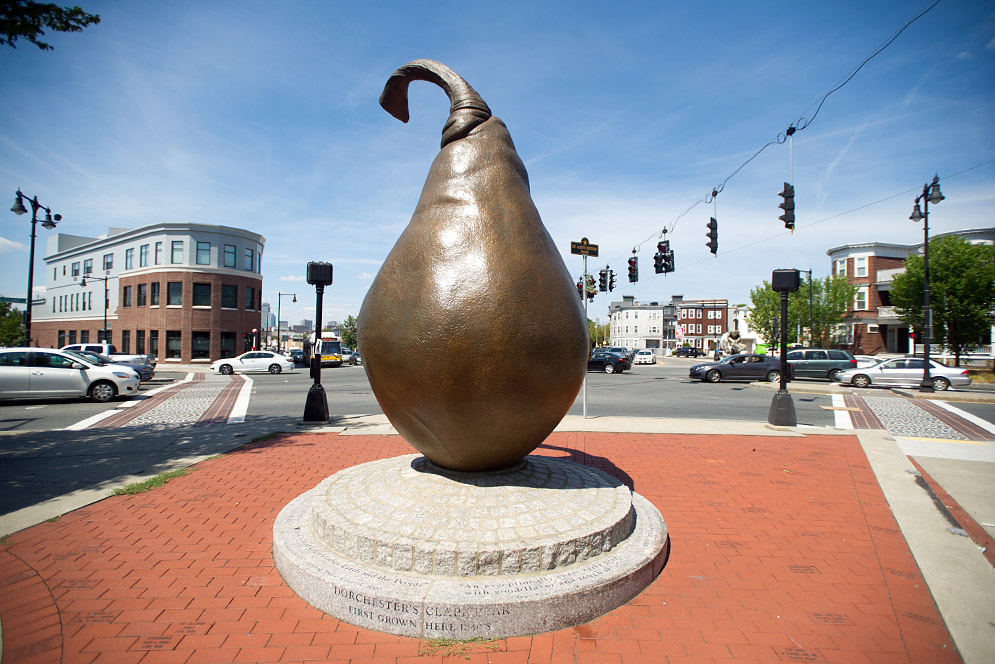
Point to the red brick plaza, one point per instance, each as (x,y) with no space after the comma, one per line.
(782,549)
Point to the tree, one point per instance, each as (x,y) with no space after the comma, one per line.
(961,292)
(598,334)
(11,325)
(26,18)
(347,331)
(830,299)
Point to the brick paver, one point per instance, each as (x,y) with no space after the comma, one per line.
(782,549)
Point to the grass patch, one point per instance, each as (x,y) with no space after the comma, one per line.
(151,483)
(3,540)
(267,436)
(455,647)
(54,519)
(978,376)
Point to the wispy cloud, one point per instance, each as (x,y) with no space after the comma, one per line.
(9,245)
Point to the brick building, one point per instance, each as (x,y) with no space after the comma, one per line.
(702,323)
(183,292)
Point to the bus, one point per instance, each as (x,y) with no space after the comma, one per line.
(329,347)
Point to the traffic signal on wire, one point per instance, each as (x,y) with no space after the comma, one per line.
(713,236)
(668,261)
(603,280)
(611,280)
(788,206)
(633,270)
(658,257)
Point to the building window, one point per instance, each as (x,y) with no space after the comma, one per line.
(201,295)
(154,300)
(126,299)
(125,341)
(860,266)
(174,293)
(158,253)
(87,266)
(250,260)
(229,255)
(229,297)
(174,341)
(62,338)
(84,336)
(203,253)
(860,301)
(140,342)
(154,342)
(75,269)
(72,336)
(176,252)
(227,344)
(143,290)
(200,345)
(841,267)
(143,256)
(129,259)
(250,297)
(108,262)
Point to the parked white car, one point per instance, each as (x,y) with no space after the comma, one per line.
(257,361)
(644,356)
(905,372)
(44,373)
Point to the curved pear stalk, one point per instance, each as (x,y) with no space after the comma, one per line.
(472,334)
(466,108)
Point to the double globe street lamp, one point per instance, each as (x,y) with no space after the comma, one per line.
(279,332)
(930,194)
(49,223)
(102,336)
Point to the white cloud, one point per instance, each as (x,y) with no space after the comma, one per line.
(965,55)
(991,43)
(366,276)
(9,245)
(291,277)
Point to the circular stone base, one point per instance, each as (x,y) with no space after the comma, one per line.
(402,546)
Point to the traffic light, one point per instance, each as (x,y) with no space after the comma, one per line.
(660,256)
(603,280)
(668,261)
(580,289)
(590,287)
(788,206)
(633,270)
(713,236)
(611,280)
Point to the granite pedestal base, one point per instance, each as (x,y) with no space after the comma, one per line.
(403,546)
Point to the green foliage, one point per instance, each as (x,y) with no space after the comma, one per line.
(347,332)
(830,299)
(11,325)
(151,483)
(961,292)
(26,18)
(598,334)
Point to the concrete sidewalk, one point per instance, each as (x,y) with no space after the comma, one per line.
(787,544)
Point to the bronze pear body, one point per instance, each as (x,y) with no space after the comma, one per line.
(473,335)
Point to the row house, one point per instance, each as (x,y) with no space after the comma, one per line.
(637,325)
(871,324)
(701,323)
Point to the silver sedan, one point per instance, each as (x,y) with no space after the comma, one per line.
(905,372)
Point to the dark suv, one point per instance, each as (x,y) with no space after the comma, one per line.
(820,362)
(686,351)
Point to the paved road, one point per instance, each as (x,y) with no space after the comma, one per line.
(50,450)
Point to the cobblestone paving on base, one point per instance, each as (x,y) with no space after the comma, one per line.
(184,407)
(903,417)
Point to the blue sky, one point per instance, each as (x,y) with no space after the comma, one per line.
(265,116)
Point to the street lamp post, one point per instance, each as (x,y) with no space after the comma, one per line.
(102,335)
(930,194)
(49,223)
(278,335)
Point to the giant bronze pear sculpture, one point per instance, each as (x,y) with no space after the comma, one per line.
(472,334)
